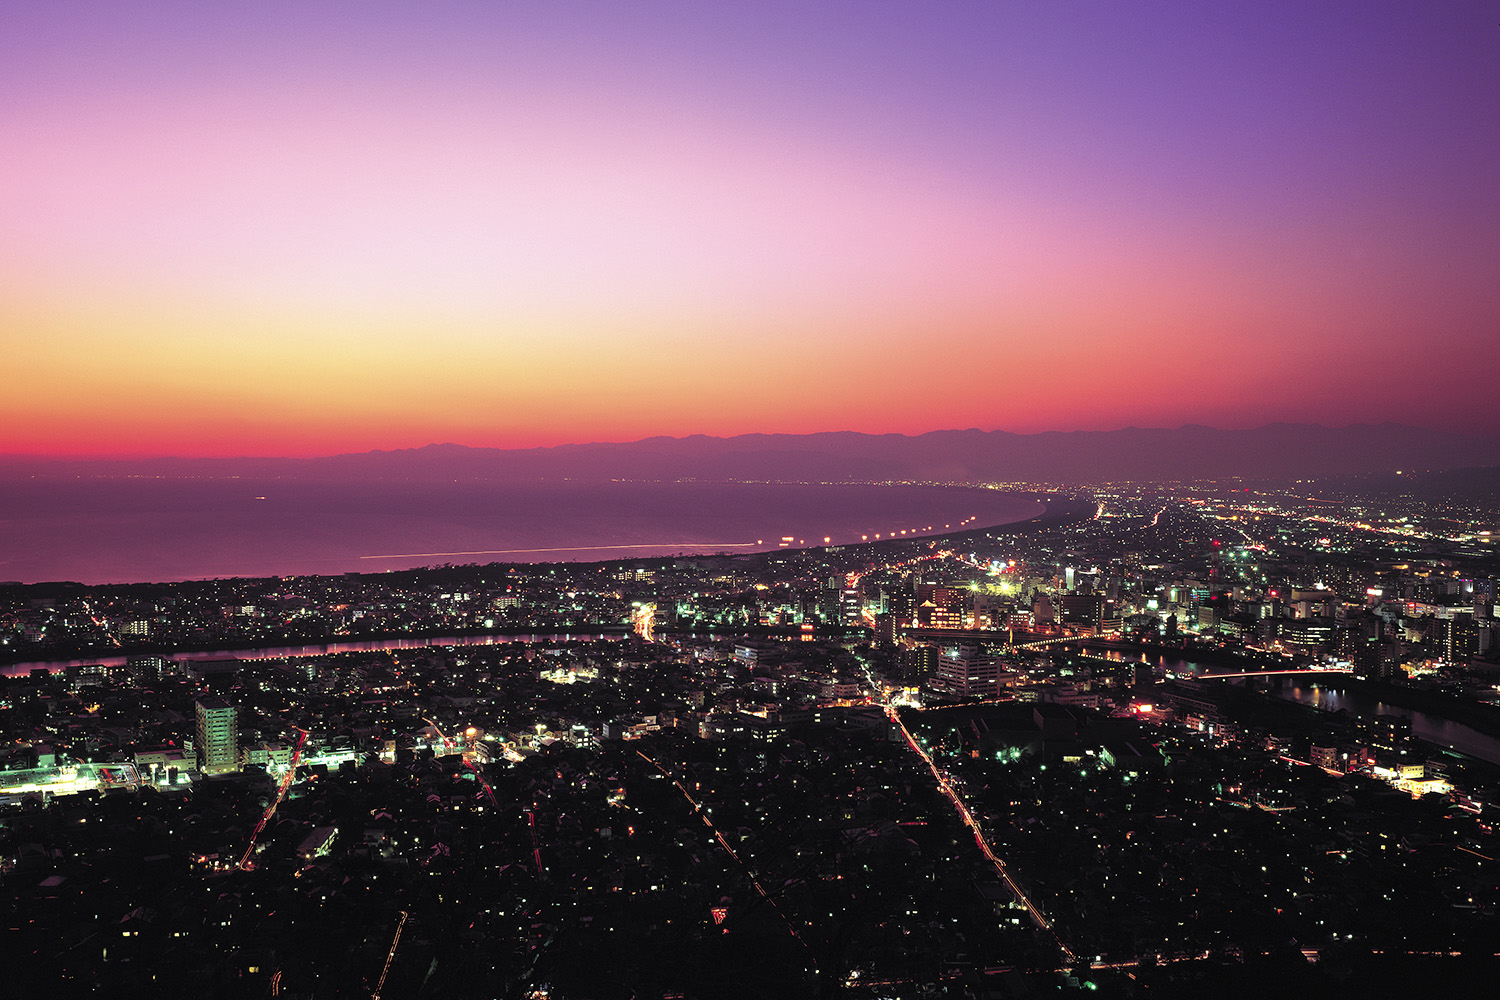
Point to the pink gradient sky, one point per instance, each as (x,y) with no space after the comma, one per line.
(306,229)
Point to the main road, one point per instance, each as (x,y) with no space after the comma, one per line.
(945,784)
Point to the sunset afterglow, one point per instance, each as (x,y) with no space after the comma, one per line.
(285,231)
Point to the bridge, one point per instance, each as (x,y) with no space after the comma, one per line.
(1210,675)
(1041,643)
(1279,672)
(997,637)
(991,636)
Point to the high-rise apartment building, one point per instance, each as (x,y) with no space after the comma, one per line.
(217,740)
(967,672)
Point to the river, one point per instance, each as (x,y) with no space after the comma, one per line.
(313,649)
(1430,728)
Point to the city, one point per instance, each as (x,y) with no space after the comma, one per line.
(749,501)
(988,763)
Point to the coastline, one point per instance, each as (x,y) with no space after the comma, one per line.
(132,532)
(1056,512)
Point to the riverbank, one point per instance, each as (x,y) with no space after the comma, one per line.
(1480,717)
(252,651)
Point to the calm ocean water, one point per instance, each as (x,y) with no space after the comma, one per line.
(129,530)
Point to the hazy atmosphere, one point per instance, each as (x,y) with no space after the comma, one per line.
(300,229)
(651,500)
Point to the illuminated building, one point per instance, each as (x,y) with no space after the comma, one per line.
(217,740)
(145,668)
(967,672)
(921,660)
(1459,637)
(941,607)
(1083,612)
(850,605)
(900,603)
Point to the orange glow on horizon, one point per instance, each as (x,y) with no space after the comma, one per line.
(528,231)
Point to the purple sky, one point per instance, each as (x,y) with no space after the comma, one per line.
(307,228)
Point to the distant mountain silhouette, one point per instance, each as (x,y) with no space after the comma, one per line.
(1275,451)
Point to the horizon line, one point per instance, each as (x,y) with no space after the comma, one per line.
(48,457)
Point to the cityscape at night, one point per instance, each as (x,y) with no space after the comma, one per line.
(1176,739)
(667,501)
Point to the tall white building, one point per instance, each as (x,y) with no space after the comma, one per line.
(966,672)
(218,736)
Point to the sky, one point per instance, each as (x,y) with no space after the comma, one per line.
(308,228)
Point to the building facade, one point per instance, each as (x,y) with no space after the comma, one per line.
(218,736)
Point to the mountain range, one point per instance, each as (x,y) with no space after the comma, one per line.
(1273,452)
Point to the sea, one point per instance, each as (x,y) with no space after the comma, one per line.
(135,530)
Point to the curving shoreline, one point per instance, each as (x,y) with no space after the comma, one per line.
(1056,512)
(126,532)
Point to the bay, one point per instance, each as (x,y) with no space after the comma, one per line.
(125,529)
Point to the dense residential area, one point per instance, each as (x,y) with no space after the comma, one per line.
(1166,739)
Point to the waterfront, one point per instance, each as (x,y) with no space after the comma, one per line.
(314,649)
(1425,726)
(1326,697)
(121,530)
